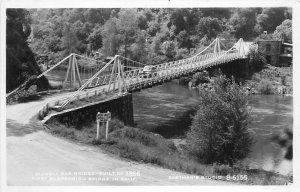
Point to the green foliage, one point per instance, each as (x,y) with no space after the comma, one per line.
(20,63)
(200,77)
(139,145)
(169,49)
(181,53)
(209,27)
(138,49)
(265,87)
(95,38)
(270,18)
(127,27)
(243,22)
(111,38)
(256,59)
(115,124)
(283,80)
(219,131)
(284,30)
(146,35)
(69,41)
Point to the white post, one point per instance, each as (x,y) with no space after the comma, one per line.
(107,124)
(239,48)
(106,131)
(98,126)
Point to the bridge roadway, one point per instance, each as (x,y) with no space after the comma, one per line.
(134,80)
(30,109)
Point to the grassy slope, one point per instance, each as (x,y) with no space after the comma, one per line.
(146,147)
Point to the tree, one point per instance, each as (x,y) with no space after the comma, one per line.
(169,49)
(69,40)
(98,16)
(270,18)
(219,131)
(138,48)
(243,22)
(95,38)
(284,30)
(181,53)
(200,77)
(183,40)
(20,62)
(111,38)
(208,26)
(256,59)
(128,26)
(219,13)
(178,18)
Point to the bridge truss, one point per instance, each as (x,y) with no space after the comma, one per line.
(120,75)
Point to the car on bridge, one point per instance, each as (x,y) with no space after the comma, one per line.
(149,71)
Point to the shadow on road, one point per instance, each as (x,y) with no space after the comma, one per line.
(16,129)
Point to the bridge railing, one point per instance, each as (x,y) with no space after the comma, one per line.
(135,77)
(173,68)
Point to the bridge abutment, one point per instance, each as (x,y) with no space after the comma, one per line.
(120,107)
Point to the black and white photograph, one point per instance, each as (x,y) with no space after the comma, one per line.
(171,93)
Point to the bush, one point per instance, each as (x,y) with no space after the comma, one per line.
(283,80)
(142,137)
(115,124)
(219,131)
(265,87)
(200,77)
(140,145)
(257,60)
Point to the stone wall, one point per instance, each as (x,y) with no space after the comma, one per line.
(120,107)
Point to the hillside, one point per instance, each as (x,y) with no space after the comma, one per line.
(20,62)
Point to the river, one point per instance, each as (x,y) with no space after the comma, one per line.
(167,109)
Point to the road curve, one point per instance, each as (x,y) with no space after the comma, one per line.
(37,158)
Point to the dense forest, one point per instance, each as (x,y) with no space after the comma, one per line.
(147,35)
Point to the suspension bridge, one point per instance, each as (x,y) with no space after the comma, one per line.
(88,77)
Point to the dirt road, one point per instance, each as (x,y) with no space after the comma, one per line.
(35,157)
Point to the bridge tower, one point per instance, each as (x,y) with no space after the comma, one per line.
(241,47)
(117,76)
(72,73)
(217,47)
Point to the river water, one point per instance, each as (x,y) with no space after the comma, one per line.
(167,110)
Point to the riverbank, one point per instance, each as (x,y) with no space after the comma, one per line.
(269,80)
(146,147)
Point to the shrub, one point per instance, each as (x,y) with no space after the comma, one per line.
(219,131)
(257,60)
(265,87)
(142,137)
(200,77)
(115,124)
(140,145)
(283,80)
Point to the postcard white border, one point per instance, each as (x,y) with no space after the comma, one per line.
(295,4)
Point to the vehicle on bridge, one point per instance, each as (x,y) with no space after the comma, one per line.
(149,71)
